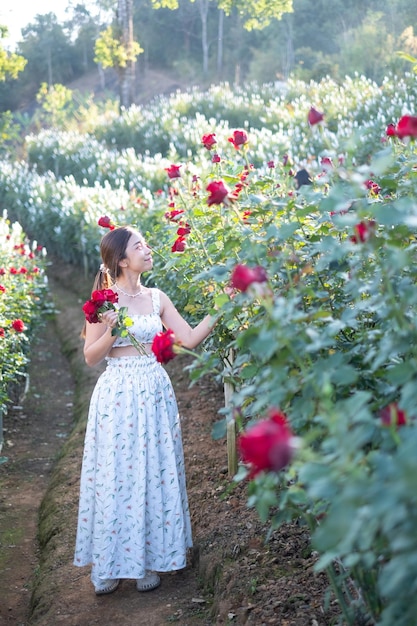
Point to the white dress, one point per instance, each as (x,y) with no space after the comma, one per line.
(133,510)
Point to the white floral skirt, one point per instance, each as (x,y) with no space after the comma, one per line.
(133,509)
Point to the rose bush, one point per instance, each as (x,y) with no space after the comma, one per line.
(23,303)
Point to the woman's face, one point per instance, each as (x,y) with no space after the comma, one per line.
(138,254)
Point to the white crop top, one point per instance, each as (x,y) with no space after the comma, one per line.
(144,327)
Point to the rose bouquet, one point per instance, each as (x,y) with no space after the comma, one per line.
(104,300)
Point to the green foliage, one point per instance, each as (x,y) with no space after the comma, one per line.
(410,59)
(111,52)
(9,133)
(23,296)
(257,14)
(56,103)
(10,63)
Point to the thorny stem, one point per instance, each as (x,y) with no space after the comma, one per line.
(196,232)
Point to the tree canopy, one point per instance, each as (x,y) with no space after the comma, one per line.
(206,41)
(10,62)
(255,14)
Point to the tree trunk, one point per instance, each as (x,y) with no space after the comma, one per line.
(289,53)
(49,64)
(127,73)
(204,6)
(220,44)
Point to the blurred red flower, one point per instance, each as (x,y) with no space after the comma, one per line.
(184,229)
(179,244)
(218,192)
(173,171)
(239,139)
(407,126)
(173,215)
(392,415)
(314,116)
(363,231)
(209,140)
(18,325)
(106,222)
(163,346)
(243,276)
(267,445)
(373,186)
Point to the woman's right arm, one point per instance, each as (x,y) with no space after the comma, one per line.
(98,339)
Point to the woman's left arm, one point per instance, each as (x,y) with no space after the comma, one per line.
(188,337)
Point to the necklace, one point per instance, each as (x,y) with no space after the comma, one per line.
(129,295)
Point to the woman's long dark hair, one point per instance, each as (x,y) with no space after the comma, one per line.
(113,250)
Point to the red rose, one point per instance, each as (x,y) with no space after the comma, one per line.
(243,276)
(407,126)
(18,325)
(163,346)
(372,186)
(239,139)
(106,222)
(184,229)
(271,164)
(314,116)
(98,299)
(393,415)
(208,140)
(218,192)
(173,215)
(179,244)
(173,171)
(215,158)
(2,288)
(267,446)
(391,130)
(90,309)
(110,295)
(2,332)
(363,231)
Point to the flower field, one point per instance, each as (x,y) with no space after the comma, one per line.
(313,285)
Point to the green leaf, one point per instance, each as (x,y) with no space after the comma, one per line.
(219,428)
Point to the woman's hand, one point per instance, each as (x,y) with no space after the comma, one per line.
(109,318)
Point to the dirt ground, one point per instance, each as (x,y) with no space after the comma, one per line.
(233,575)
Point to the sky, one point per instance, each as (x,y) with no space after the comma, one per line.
(16,14)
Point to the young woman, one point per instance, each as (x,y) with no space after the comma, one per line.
(133,512)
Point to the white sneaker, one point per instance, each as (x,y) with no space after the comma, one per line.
(148,582)
(107,585)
